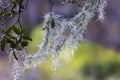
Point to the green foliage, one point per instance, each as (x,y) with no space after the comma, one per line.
(11,11)
(91,57)
(27,38)
(87,57)
(52,23)
(14,36)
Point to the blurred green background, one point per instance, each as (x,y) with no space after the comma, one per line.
(90,61)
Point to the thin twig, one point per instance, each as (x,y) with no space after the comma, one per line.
(19,20)
(26,5)
(51,4)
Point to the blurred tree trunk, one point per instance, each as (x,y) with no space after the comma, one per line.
(95,74)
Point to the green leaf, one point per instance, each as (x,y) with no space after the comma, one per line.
(18,1)
(52,23)
(12,45)
(22,7)
(9,30)
(13,13)
(9,41)
(3,44)
(16,30)
(23,30)
(2,30)
(24,44)
(0,18)
(27,38)
(11,37)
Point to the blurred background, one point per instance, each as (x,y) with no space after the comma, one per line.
(98,58)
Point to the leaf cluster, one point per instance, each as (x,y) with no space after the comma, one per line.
(15,37)
(15,8)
